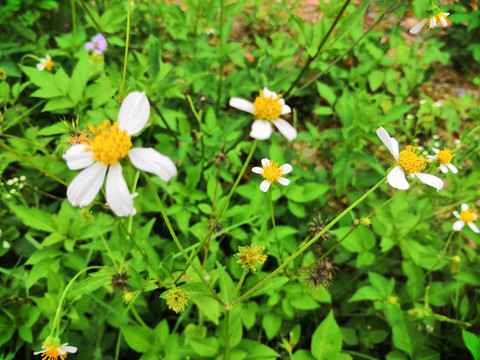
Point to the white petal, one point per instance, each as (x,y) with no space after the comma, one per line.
(265,162)
(473,227)
(40,352)
(118,197)
(418,27)
(41,66)
(150,160)
(390,143)
(261,129)
(458,225)
(444,21)
(70,349)
(430,180)
(62,351)
(265,185)
(48,57)
(77,157)
(134,112)
(443,168)
(452,168)
(283,181)
(436,151)
(242,104)
(396,178)
(456,214)
(431,157)
(286,109)
(433,22)
(257,170)
(285,129)
(269,94)
(286,168)
(464,207)
(86,185)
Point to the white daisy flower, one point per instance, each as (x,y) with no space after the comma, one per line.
(111,144)
(467,216)
(267,109)
(433,21)
(272,173)
(45,63)
(444,157)
(408,163)
(53,350)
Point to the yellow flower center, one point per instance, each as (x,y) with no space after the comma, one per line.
(49,64)
(271,172)
(53,354)
(267,108)
(445,156)
(468,215)
(438,18)
(110,143)
(410,162)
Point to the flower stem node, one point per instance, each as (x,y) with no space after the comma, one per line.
(53,349)
(177,300)
(250,257)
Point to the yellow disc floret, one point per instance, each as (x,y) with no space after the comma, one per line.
(468,215)
(177,300)
(267,108)
(53,354)
(445,156)
(49,64)
(110,143)
(251,257)
(438,19)
(271,172)
(410,162)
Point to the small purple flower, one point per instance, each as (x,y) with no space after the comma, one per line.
(98,44)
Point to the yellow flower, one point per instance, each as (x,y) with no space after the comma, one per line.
(52,350)
(249,258)
(177,300)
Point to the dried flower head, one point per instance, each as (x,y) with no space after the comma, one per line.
(316,226)
(177,300)
(320,273)
(250,257)
(119,281)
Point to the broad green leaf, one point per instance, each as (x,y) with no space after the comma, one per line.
(207,347)
(270,285)
(472,342)
(271,323)
(366,293)
(257,351)
(327,339)
(375,79)
(90,284)
(80,76)
(138,338)
(351,21)
(34,218)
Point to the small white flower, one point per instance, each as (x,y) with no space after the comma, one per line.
(272,173)
(53,352)
(111,144)
(45,63)
(408,163)
(467,216)
(267,109)
(433,21)
(444,157)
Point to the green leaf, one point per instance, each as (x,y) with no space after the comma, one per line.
(327,339)
(366,293)
(226,284)
(326,92)
(80,76)
(208,306)
(257,351)
(351,21)
(472,342)
(375,79)
(90,284)
(138,338)
(207,347)
(271,324)
(34,218)
(271,285)
(58,103)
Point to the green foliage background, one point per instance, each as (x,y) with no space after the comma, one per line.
(399,293)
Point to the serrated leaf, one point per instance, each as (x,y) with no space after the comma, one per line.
(34,218)
(327,339)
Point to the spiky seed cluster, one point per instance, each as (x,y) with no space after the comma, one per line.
(316,226)
(320,273)
(119,281)
(250,257)
(177,300)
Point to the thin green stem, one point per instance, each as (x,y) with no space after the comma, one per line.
(324,40)
(74,25)
(220,69)
(26,159)
(227,334)
(177,242)
(280,251)
(240,283)
(56,320)
(107,247)
(134,188)
(119,343)
(323,72)
(127,43)
(137,316)
(308,244)
(222,209)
